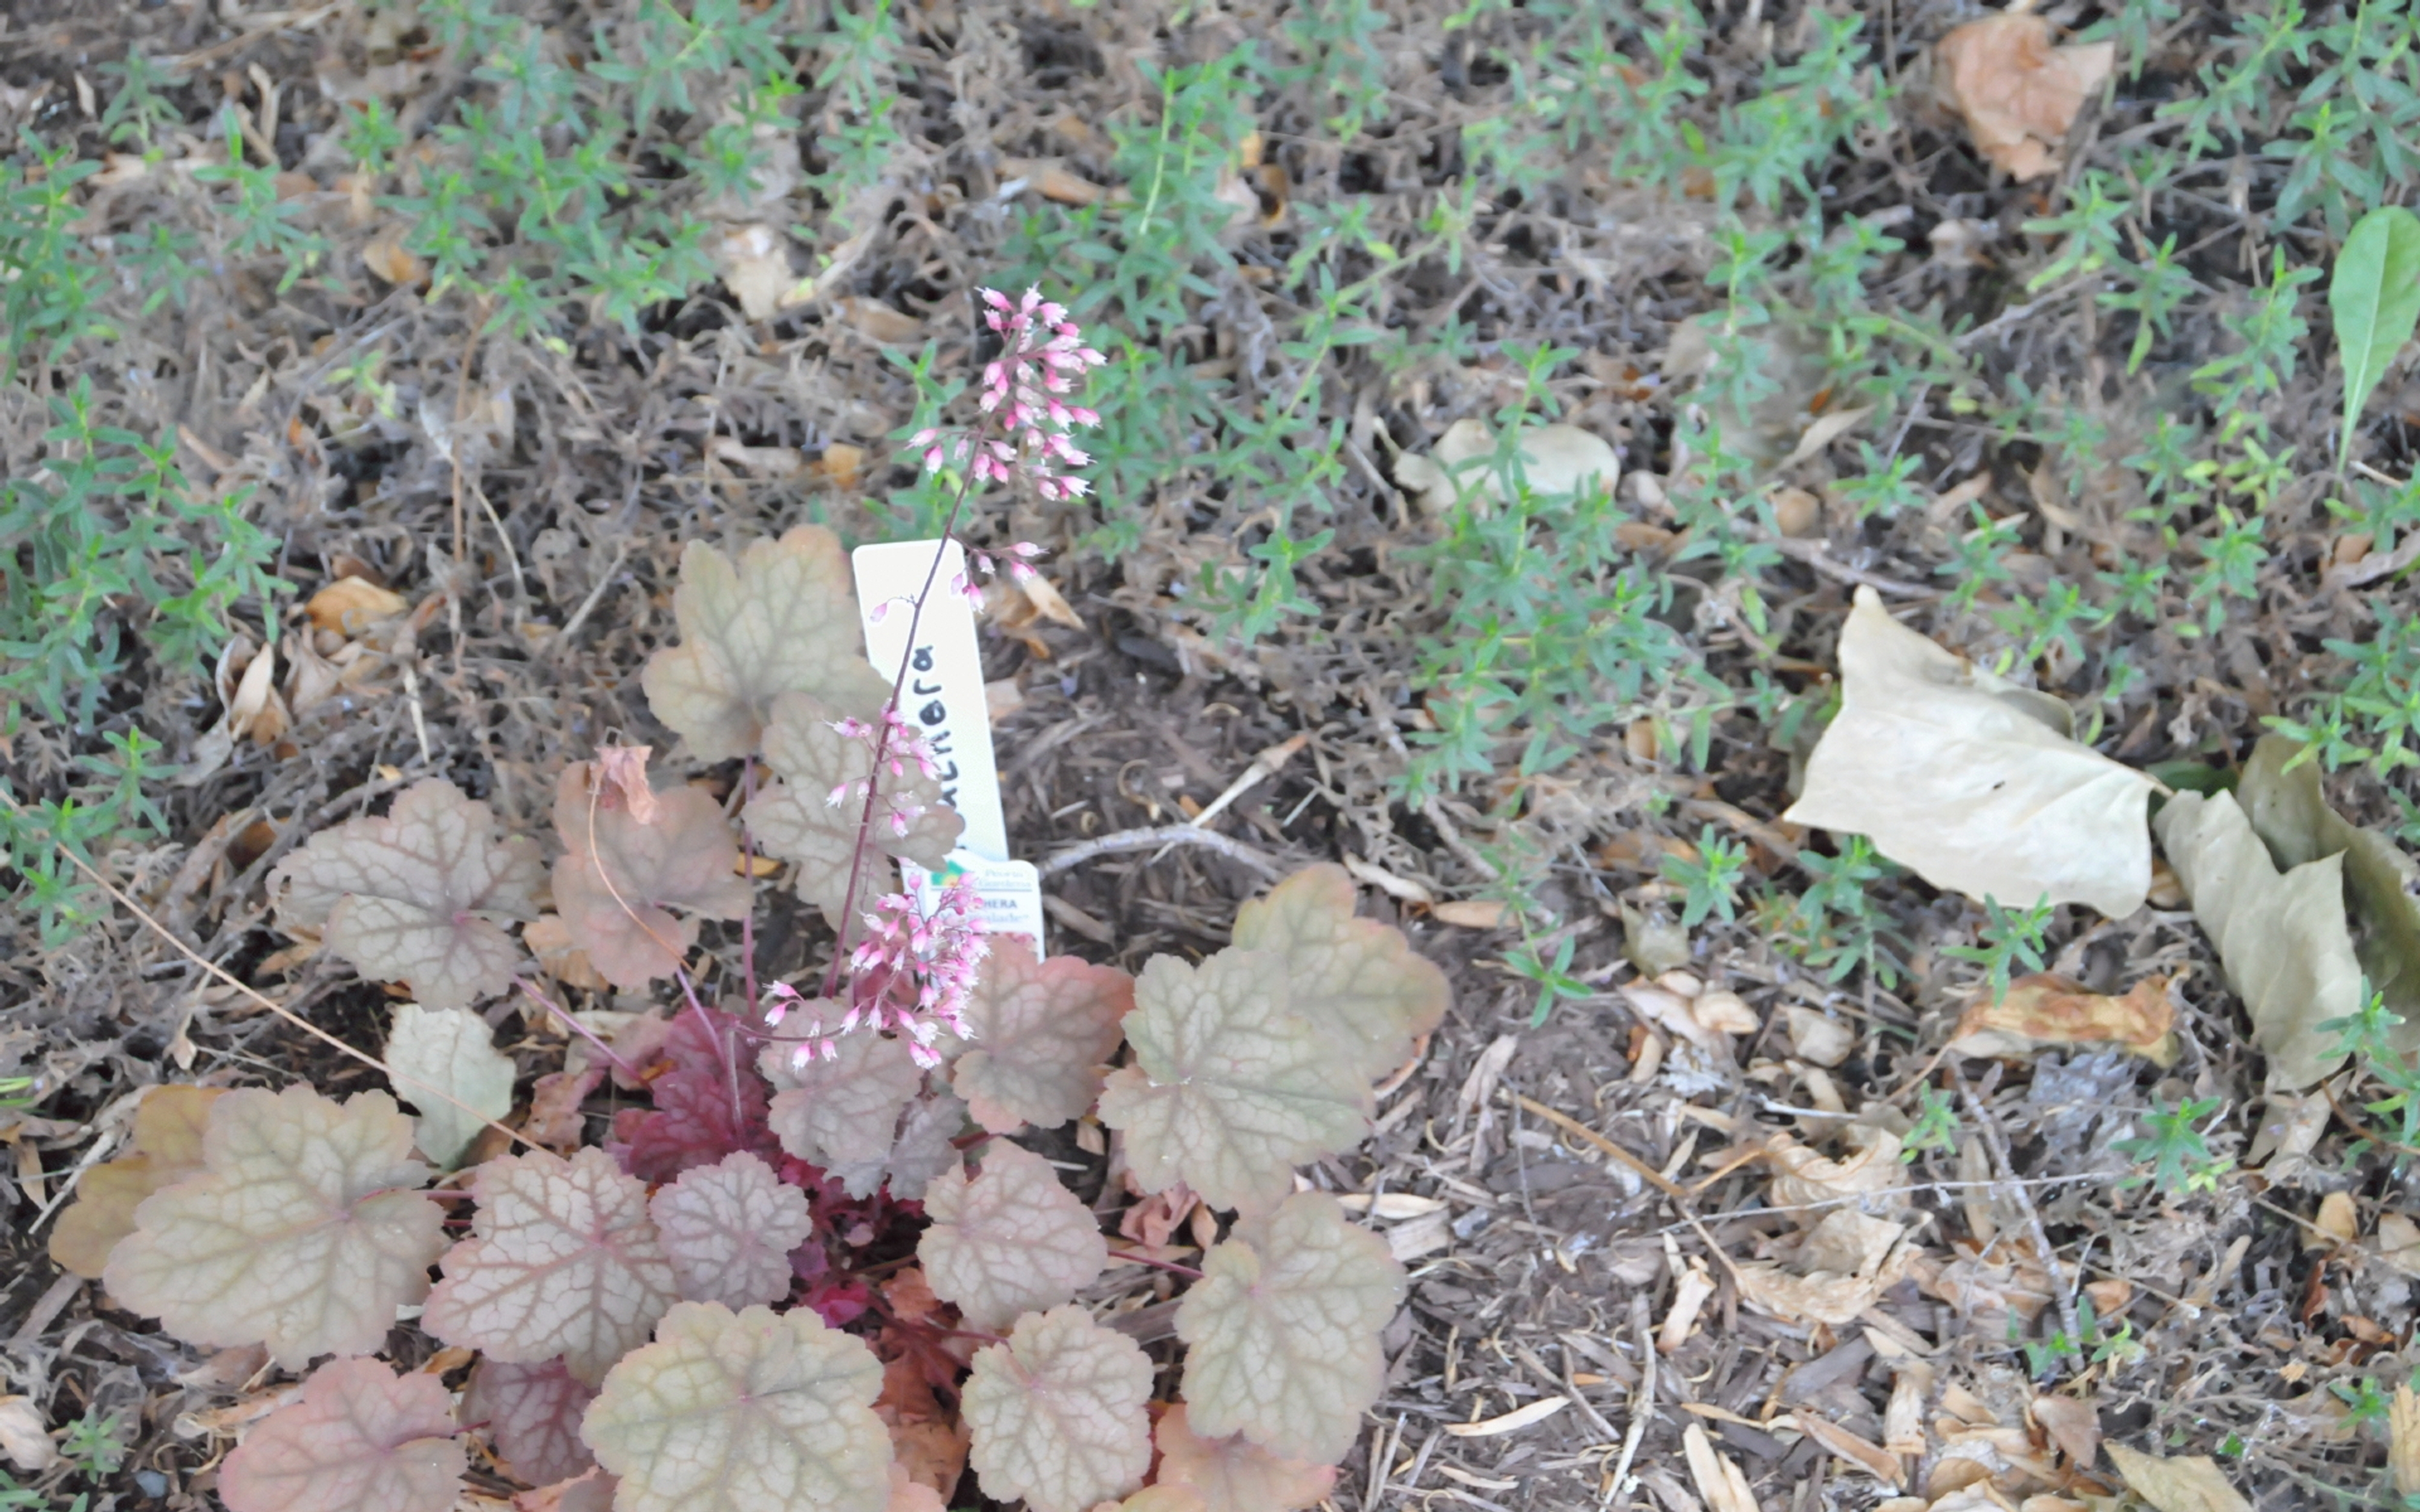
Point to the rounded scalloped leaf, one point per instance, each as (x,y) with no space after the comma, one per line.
(1231,1089)
(843,1111)
(1042,1032)
(413,896)
(1012,1240)
(563,1261)
(619,876)
(1159,1499)
(729,1229)
(303,1232)
(744,1411)
(359,1439)
(1057,1412)
(783,621)
(1282,1329)
(166,1149)
(795,819)
(449,1051)
(1233,1473)
(1356,978)
(532,1414)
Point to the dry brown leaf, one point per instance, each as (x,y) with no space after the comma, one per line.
(349,606)
(387,258)
(2403,1446)
(1554,460)
(1816,1038)
(1720,1480)
(2018,93)
(2186,1484)
(2073,1424)
(841,465)
(1048,602)
(1511,1421)
(1053,180)
(1802,1178)
(2398,1244)
(754,262)
(764,461)
(878,322)
(2043,1011)
(550,939)
(1870,1458)
(24,1440)
(1476,913)
(166,1149)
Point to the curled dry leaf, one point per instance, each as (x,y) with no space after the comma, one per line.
(166,1149)
(1842,1269)
(360,1439)
(1971,781)
(533,1416)
(2044,1011)
(796,818)
(24,1442)
(2073,1424)
(1011,1241)
(1803,1178)
(621,873)
(1817,1038)
(1282,1329)
(1358,981)
(448,1051)
(1231,1089)
(729,1228)
(738,1412)
(2282,938)
(2185,1484)
(1044,1030)
(1554,460)
(351,605)
(414,897)
(844,1110)
(303,1230)
(1058,1412)
(755,263)
(2018,93)
(1233,1473)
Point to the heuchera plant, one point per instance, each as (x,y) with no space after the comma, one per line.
(814,1272)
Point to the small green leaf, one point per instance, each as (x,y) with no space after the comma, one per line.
(2374,295)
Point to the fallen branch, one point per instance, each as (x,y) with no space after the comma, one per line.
(1164,835)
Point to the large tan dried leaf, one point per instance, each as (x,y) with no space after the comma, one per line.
(1057,1412)
(783,621)
(846,1110)
(795,818)
(563,1261)
(414,897)
(1357,979)
(24,1441)
(1555,459)
(620,875)
(2186,1484)
(303,1232)
(729,1229)
(2282,939)
(533,1415)
(1841,1268)
(1014,1239)
(2045,1012)
(1282,1329)
(1804,1178)
(449,1051)
(1231,1089)
(1043,1031)
(742,1412)
(2019,94)
(359,1439)
(1233,1473)
(1954,774)
(166,1149)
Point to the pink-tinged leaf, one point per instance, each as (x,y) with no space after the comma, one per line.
(563,1261)
(706,1108)
(1231,1089)
(795,819)
(908,1494)
(166,1149)
(619,876)
(358,1440)
(744,1413)
(730,1229)
(304,1231)
(843,1111)
(1012,1240)
(592,1492)
(1282,1329)
(1355,978)
(1043,1032)
(1233,1473)
(1159,1499)
(555,1117)
(926,1148)
(441,1054)
(531,1413)
(784,621)
(1058,1412)
(414,897)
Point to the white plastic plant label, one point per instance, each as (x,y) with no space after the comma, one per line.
(1010,893)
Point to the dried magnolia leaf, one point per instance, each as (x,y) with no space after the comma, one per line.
(2046,1011)
(1954,774)
(729,1229)
(1043,1031)
(2073,1424)
(796,818)
(620,875)
(1013,1240)
(2187,1483)
(1057,1412)
(24,1441)
(563,1261)
(414,897)
(1231,1089)
(303,1230)
(533,1416)
(166,1149)
(351,604)
(1355,978)
(843,1111)
(741,1411)
(1555,459)
(360,1439)
(453,1052)
(2019,94)
(783,621)
(1282,1329)
(2282,939)
(1802,1178)
(1233,1473)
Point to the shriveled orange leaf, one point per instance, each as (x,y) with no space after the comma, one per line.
(166,1149)
(783,621)
(531,1413)
(351,605)
(360,1439)
(1043,1031)
(1233,1473)
(414,897)
(729,1229)
(1355,978)
(797,819)
(1013,1240)
(620,873)
(2046,1010)
(2018,93)
(1058,1412)
(303,1230)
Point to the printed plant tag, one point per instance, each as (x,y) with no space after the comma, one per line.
(1009,893)
(944,692)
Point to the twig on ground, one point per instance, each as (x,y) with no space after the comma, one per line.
(1642,1403)
(1578,1130)
(2073,1336)
(1163,835)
